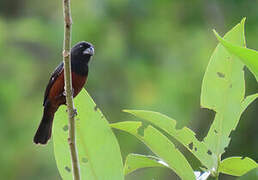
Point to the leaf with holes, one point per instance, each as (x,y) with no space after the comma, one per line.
(223,91)
(185,135)
(237,166)
(159,145)
(134,162)
(96,143)
(248,56)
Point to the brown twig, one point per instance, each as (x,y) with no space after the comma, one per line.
(68,88)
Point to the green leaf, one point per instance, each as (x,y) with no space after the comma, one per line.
(248,56)
(160,145)
(185,135)
(136,161)
(247,101)
(98,150)
(253,174)
(237,166)
(223,91)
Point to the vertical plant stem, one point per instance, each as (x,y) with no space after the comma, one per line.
(68,88)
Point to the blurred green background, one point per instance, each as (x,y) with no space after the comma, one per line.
(149,55)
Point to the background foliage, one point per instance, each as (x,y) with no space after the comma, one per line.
(149,55)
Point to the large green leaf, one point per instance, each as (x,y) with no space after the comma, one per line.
(185,135)
(248,56)
(237,166)
(98,150)
(160,145)
(223,91)
(136,161)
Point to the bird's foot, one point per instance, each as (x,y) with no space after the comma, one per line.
(75,113)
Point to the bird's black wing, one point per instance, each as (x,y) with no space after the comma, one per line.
(52,79)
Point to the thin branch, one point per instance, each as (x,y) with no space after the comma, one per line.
(68,88)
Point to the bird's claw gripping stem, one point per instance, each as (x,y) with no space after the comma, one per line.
(75,113)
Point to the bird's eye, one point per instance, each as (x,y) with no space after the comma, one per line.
(81,46)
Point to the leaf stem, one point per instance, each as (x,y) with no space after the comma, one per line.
(68,88)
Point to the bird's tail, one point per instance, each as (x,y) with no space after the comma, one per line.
(44,131)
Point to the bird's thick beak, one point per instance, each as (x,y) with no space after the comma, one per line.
(89,51)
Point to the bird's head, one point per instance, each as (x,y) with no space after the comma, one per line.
(82,51)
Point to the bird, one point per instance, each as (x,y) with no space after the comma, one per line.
(54,96)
